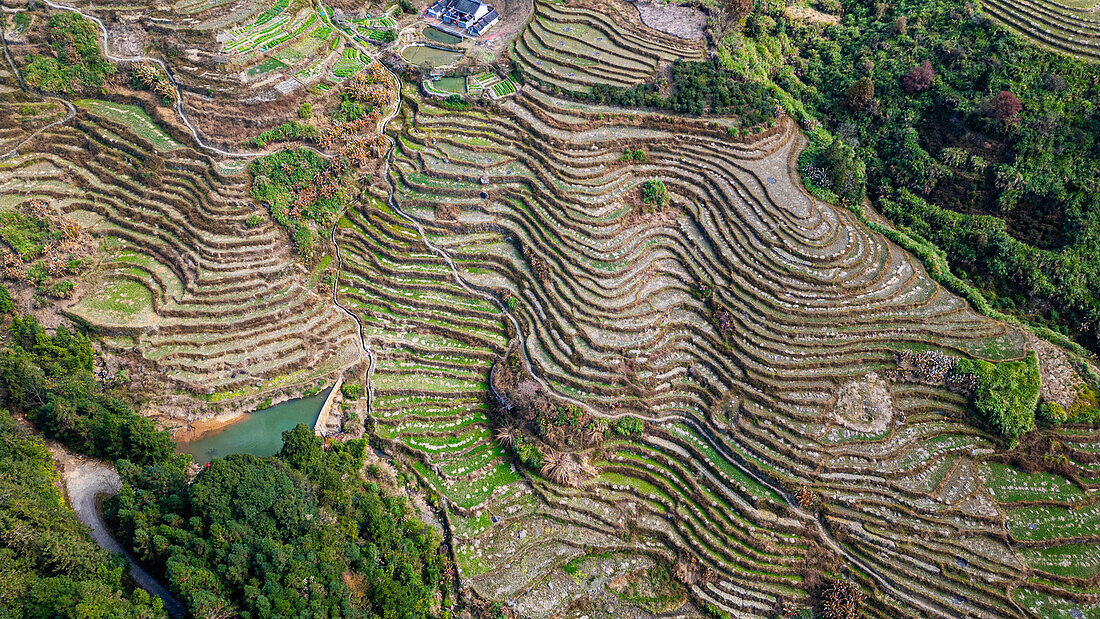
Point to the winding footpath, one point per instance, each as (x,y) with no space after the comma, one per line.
(929,606)
(89,480)
(86,480)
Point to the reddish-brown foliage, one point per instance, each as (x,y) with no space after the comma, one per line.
(1005,106)
(919,78)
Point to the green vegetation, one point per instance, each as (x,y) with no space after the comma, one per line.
(1006,393)
(300,534)
(277,181)
(26,234)
(287,132)
(76,64)
(352,391)
(49,566)
(456,103)
(628,426)
(305,112)
(633,155)
(1020,209)
(654,195)
(698,87)
(7,306)
(50,379)
(348,111)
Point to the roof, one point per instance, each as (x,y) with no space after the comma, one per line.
(486,20)
(468,7)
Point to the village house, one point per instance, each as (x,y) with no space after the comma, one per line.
(471,15)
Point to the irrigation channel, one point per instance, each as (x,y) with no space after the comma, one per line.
(704,428)
(931,607)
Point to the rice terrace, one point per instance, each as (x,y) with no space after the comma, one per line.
(550,308)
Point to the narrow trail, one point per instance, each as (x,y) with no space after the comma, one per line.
(103,484)
(85,481)
(883,581)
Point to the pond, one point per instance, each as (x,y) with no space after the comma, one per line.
(259,433)
(453,84)
(424,55)
(437,35)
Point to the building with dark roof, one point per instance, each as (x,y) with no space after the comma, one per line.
(474,16)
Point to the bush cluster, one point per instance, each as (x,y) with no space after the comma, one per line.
(276,180)
(76,65)
(698,87)
(287,132)
(299,534)
(49,566)
(1007,393)
(49,378)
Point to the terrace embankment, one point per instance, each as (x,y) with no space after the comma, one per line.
(188,292)
(726,321)
(1071,28)
(576,48)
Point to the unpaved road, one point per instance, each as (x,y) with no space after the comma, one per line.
(86,480)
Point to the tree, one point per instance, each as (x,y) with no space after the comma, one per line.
(1005,106)
(844,170)
(860,94)
(919,78)
(302,449)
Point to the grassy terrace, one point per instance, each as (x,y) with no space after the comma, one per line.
(1068,27)
(610,319)
(201,295)
(576,47)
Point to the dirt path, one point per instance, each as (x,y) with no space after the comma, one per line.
(86,481)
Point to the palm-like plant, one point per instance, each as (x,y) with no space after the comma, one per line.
(506,436)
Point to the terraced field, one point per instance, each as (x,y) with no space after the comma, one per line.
(734,346)
(532,203)
(214,306)
(1067,26)
(575,48)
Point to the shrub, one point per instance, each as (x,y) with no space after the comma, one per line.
(254,220)
(76,64)
(287,132)
(633,155)
(696,88)
(1052,413)
(1005,106)
(846,173)
(654,195)
(456,103)
(628,426)
(919,78)
(7,306)
(305,112)
(352,391)
(860,94)
(1007,393)
(62,289)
